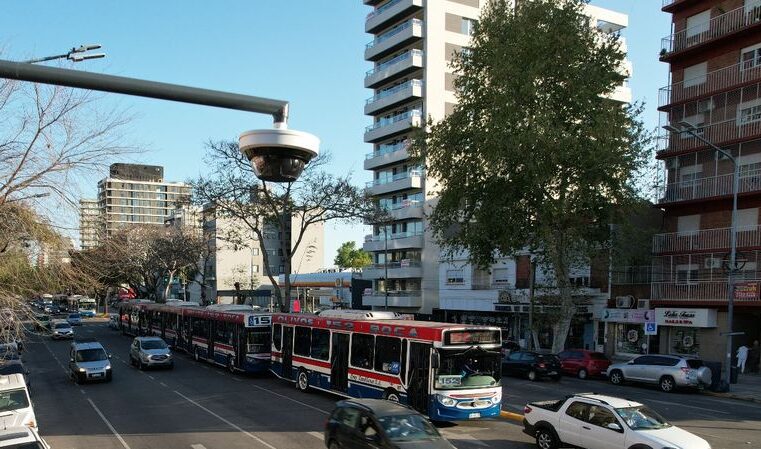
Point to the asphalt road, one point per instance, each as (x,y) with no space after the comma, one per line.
(199,406)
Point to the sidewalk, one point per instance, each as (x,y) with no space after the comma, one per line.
(747,388)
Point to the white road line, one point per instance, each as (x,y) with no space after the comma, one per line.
(689,406)
(82,391)
(110,427)
(197,446)
(465,437)
(317,435)
(152,378)
(162,384)
(237,379)
(239,429)
(293,400)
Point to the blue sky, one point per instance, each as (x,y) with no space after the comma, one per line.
(308,52)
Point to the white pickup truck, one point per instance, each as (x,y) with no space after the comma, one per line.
(595,421)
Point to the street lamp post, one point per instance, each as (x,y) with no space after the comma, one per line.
(76,54)
(689,128)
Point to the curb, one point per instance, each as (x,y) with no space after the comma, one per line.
(733,396)
(511,416)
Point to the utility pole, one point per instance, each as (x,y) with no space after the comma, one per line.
(531,282)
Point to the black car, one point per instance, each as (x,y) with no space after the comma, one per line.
(376,423)
(532,365)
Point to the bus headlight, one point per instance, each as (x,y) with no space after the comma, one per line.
(446,401)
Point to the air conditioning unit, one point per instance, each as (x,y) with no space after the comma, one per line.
(643,304)
(712,263)
(624,302)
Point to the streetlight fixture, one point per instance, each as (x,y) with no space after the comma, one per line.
(684,127)
(76,54)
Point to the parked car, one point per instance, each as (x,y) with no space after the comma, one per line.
(509,347)
(375,423)
(532,365)
(20,437)
(61,329)
(42,321)
(596,421)
(146,352)
(583,363)
(15,404)
(667,371)
(88,360)
(74,319)
(16,368)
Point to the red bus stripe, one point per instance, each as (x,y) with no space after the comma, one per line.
(307,361)
(223,346)
(374,375)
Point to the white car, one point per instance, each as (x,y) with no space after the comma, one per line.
(21,437)
(594,421)
(15,404)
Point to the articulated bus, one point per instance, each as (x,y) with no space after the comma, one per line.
(227,335)
(447,371)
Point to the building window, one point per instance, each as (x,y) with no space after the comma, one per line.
(255,268)
(467,26)
(750,115)
(500,276)
(455,277)
(629,338)
(750,58)
(684,341)
(686,274)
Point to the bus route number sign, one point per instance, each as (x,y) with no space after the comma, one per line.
(259,320)
(472,337)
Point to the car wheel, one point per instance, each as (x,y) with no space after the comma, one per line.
(667,384)
(302,381)
(532,375)
(583,374)
(391,395)
(333,445)
(546,439)
(616,377)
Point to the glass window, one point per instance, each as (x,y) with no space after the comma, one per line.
(347,416)
(527,357)
(577,410)
(600,416)
(13,400)
(387,355)
(277,336)
(320,344)
(642,418)
(455,277)
(200,328)
(514,357)
(630,338)
(302,341)
(750,115)
(362,347)
(684,341)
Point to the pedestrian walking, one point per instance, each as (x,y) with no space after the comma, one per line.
(742,357)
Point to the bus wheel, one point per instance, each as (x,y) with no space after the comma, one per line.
(391,395)
(302,381)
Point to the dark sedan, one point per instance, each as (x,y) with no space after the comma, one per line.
(532,365)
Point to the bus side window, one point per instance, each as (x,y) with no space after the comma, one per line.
(277,336)
(403,373)
(362,347)
(387,355)
(302,341)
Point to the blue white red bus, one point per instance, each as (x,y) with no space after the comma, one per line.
(447,371)
(235,337)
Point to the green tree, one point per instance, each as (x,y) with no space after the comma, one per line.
(535,155)
(349,256)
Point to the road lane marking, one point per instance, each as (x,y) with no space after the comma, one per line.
(162,384)
(197,446)
(689,406)
(82,391)
(152,378)
(234,426)
(237,380)
(108,424)
(317,435)
(292,400)
(464,437)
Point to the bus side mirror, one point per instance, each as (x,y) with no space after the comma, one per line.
(435,360)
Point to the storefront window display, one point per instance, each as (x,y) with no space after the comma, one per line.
(684,341)
(630,338)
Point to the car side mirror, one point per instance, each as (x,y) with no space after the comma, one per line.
(615,426)
(435,360)
(630,362)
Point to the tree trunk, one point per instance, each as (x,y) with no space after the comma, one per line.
(560,261)
(168,284)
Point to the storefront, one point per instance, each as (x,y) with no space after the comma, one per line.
(687,332)
(625,332)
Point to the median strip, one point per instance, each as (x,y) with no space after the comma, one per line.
(511,416)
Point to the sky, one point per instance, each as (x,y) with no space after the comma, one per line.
(307,52)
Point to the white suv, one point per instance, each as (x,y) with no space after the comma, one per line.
(15,404)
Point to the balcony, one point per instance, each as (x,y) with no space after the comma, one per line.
(712,82)
(718,27)
(705,239)
(407,209)
(397,124)
(401,240)
(412,179)
(385,155)
(709,187)
(665,6)
(396,270)
(389,11)
(393,39)
(386,99)
(719,133)
(401,65)
(405,298)
(696,292)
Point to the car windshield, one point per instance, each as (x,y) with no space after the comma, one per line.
(74,315)
(14,368)
(91,355)
(468,369)
(153,344)
(9,355)
(62,326)
(13,400)
(408,428)
(642,418)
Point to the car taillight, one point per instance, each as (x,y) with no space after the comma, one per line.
(526,410)
(541,365)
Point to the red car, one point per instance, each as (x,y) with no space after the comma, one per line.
(583,363)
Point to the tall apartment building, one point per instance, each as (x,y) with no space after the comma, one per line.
(714,53)
(90,223)
(414,42)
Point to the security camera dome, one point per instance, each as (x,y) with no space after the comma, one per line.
(278,155)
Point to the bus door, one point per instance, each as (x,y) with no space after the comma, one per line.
(339,362)
(288,352)
(419,373)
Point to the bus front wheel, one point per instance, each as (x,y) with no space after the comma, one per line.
(391,395)
(302,381)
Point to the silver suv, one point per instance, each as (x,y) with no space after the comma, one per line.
(88,360)
(150,351)
(666,371)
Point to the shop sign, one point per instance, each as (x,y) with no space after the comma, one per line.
(627,315)
(685,317)
(747,291)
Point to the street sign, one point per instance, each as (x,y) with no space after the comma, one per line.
(651,328)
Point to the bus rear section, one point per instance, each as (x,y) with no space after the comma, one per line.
(449,372)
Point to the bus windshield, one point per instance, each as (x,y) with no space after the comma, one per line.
(472,368)
(258,341)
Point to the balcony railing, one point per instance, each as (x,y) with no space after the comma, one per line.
(721,25)
(392,293)
(386,149)
(398,235)
(631,275)
(396,177)
(715,81)
(414,113)
(380,10)
(393,32)
(734,129)
(385,93)
(392,61)
(705,239)
(712,186)
(695,292)
(394,265)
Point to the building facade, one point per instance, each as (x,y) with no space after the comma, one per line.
(714,54)
(412,80)
(91,224)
